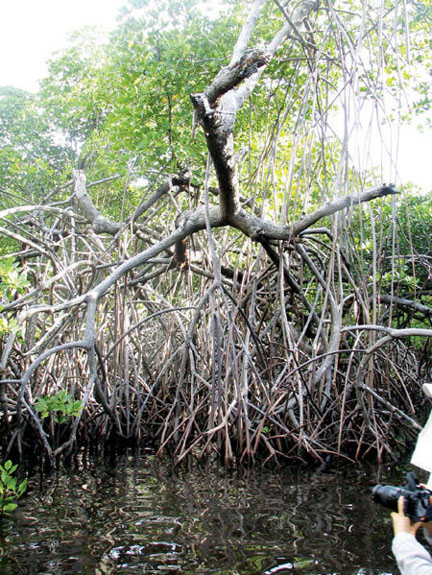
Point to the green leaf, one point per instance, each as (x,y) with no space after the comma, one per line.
(10,483)
(22,487)
(10,507)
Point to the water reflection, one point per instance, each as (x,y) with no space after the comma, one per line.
(141,517)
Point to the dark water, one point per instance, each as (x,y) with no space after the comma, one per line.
(142,517)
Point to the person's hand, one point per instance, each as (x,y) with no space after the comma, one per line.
(402,523)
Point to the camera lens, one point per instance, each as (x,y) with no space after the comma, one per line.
(387,495)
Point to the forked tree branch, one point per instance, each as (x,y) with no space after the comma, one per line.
(246,32)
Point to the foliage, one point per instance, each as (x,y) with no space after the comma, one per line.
(10,489)
(128,99)
(30,158)
(404,247)
(61,407)
(13,282)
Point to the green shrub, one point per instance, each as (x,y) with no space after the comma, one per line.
(13,282)
(60,406)
(10,489)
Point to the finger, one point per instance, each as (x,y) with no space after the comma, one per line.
(401,505)
(415,526)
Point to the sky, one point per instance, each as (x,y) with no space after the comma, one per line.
(32,30)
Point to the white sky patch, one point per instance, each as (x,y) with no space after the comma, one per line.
(415,156)
(398,153)
(32,30)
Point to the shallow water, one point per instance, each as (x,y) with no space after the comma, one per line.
(140,516)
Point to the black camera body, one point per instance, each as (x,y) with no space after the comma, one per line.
(417,499)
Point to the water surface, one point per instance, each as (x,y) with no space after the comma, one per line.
(140,516)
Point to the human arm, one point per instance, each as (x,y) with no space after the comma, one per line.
(412,558)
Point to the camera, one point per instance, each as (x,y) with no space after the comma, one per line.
(417,499)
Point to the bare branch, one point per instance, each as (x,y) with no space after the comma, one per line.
(246,32)
(404,302)
(393,332)
(99,223)
(162,190)
(258,228)
(231,76)
(341,204)
(302,11)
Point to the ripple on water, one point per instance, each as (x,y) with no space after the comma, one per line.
(141,518)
